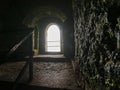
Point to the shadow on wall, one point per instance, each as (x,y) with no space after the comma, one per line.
(96,44)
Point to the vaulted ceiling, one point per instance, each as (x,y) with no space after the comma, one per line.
(13,12)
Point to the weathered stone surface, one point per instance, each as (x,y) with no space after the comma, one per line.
(96,45)
(46,74)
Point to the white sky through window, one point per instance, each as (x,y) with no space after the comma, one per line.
(53,39)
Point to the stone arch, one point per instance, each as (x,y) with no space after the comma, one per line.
(37,14)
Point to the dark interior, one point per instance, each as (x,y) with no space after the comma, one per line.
(89,40)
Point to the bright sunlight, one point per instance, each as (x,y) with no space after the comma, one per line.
(53,43)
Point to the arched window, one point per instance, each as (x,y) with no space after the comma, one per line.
(53,42)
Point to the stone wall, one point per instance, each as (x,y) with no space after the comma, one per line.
(97,51)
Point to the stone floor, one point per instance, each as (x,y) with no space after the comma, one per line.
(48,74)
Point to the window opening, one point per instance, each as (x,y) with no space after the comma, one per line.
(53,42)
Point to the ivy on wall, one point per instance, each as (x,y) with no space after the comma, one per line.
(96,48)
